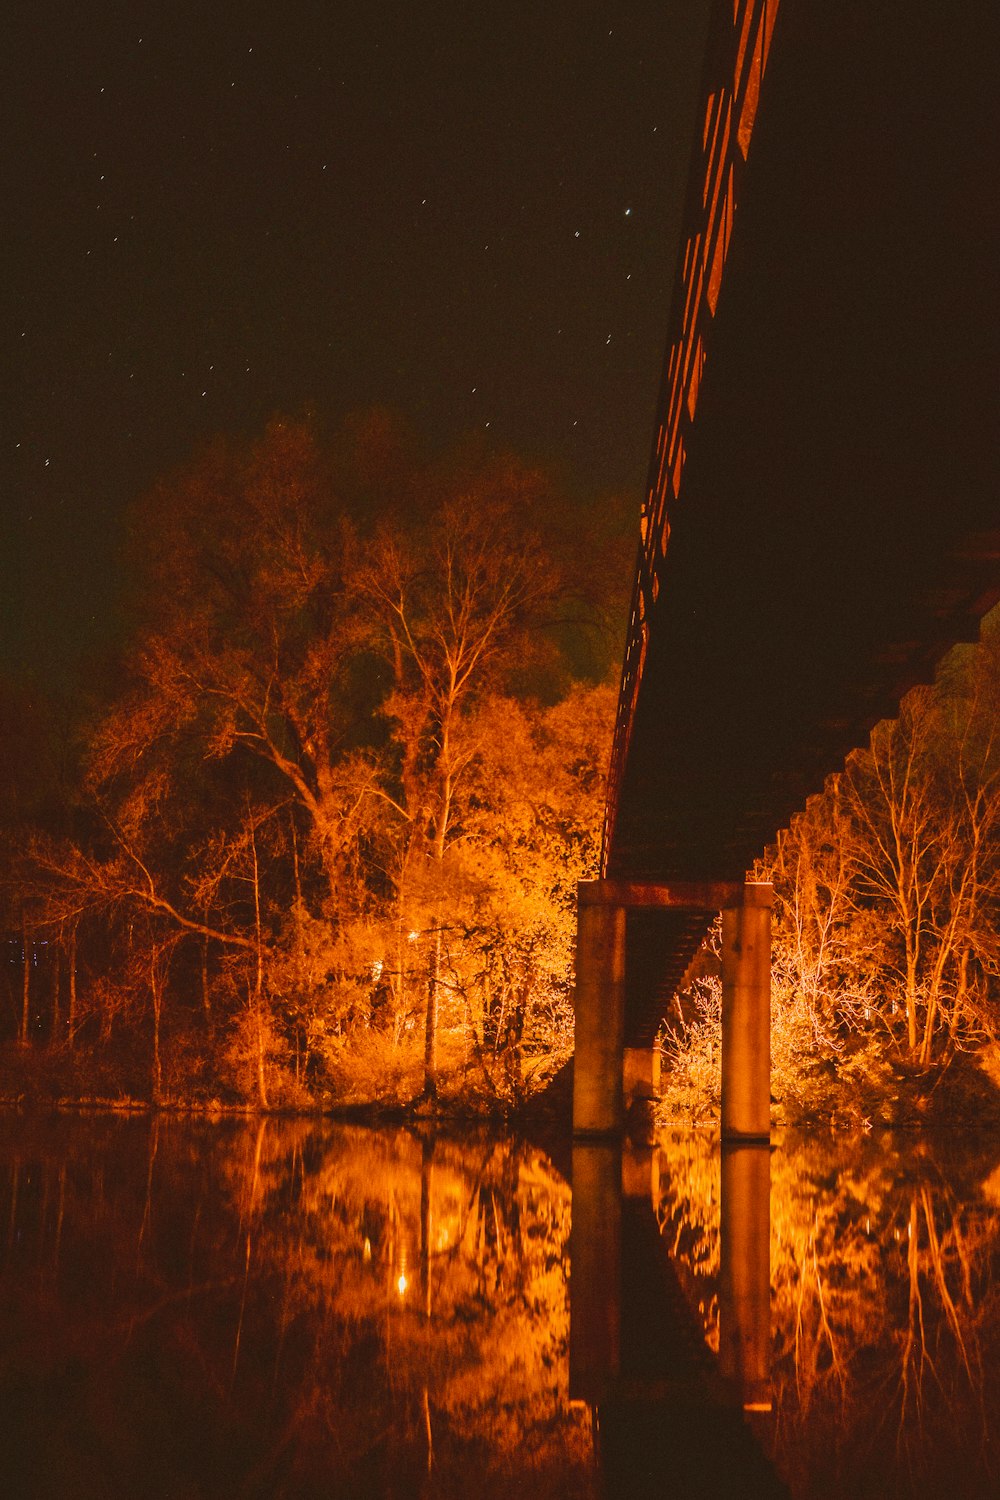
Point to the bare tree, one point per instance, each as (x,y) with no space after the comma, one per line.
(925,807)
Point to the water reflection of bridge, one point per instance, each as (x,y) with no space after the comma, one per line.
(664,1404)
(829,1302)
(820,522)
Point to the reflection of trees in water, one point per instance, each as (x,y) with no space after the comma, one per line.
(287,1308)
(946,1341)
(688,1215)
(885,1306)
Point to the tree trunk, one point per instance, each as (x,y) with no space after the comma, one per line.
(400,985)
(961,994)
(26,953)
(911,1000)
(56,977)
(258,996)
(71,1016)
(261,1072)
(206,1009)
(431,1021)
(157,998)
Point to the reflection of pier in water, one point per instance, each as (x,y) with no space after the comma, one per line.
(671,1417)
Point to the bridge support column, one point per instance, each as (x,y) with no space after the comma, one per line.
(607,1075)
(599,1005)
(746,1016)
(640,1074)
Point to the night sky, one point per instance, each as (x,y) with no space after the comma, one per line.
(466,212)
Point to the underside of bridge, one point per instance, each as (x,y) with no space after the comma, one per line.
(821,521)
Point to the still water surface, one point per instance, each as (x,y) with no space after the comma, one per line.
(192,1308)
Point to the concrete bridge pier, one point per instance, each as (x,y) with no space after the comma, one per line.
(599,1020)
(608,1076)
(640,1074)
(746,1016)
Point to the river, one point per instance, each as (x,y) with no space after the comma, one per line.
(295,1308)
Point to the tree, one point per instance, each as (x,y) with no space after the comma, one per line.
(297,788)
(534,830)
(925,804)
(250,644)
(460,598)
(887,907)
(38,766)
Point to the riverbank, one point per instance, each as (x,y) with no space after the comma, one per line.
(964,1094)
(75,1079)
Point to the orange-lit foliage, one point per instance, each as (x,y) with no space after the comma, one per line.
(887,894)
(307,788)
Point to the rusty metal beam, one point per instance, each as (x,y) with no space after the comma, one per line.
(679,895)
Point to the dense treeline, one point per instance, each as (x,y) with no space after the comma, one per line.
(319,836)
(322,837)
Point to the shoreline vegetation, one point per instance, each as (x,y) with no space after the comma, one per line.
(964,1096)
(312,841)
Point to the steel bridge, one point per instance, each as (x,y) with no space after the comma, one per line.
(820,523)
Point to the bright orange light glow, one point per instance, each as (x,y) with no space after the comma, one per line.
(401,1285)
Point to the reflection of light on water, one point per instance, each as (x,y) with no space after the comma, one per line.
(500,1296)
